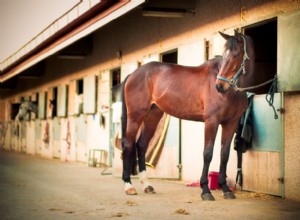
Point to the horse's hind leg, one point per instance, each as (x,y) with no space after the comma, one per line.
(148,129)
(227,135)
(128,150)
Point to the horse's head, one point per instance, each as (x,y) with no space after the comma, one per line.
(23,110)
(26,107)
(238,58)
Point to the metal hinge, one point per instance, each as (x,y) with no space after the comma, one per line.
(179,166)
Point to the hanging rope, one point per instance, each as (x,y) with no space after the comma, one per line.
(270,96)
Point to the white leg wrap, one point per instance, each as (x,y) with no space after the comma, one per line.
(128,186)
(143,179)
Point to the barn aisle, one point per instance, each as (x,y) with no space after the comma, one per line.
(35,188)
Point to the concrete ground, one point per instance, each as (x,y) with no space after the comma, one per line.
(35,188)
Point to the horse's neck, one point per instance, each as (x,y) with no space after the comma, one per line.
(214,64)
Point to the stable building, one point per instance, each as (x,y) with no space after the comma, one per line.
(69,72)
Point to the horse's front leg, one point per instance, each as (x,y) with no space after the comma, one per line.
(211,128)
(227,135)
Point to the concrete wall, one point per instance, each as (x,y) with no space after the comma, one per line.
(291,145)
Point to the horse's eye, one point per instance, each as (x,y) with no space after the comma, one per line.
(235,56)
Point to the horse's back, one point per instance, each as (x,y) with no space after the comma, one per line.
(169,86)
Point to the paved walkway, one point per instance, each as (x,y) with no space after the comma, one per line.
(35,188)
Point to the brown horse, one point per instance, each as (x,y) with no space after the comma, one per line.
(204,93)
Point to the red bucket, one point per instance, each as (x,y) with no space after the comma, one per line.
(213,180)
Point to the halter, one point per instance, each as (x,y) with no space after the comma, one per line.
(233,81)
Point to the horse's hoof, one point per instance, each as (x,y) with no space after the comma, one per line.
(131,191)
(149,190)
(229,195)
(207,197)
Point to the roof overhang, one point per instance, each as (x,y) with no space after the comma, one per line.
(98,16)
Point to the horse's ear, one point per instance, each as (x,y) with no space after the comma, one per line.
(225,36)
(238,35)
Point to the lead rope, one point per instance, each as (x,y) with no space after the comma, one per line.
(239,89)
(270,95)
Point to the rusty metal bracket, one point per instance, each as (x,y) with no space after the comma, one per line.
(280,110)
(281,180)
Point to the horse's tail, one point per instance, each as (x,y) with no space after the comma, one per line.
(124,109)
(133,154)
